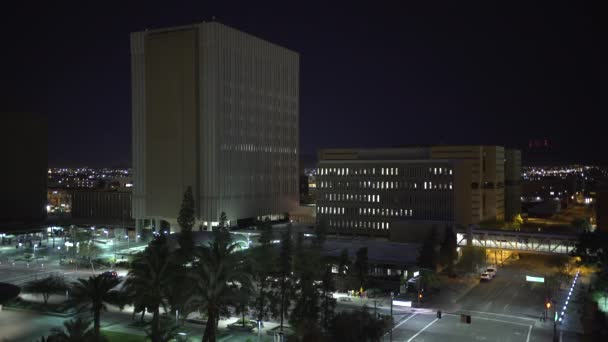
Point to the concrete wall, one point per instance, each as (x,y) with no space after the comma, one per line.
(216,109)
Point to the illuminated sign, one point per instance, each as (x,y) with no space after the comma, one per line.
(402,303)
(535,279)
(417,273)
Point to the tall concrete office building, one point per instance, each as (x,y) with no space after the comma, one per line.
(23,147)
(217,110)
(375,191)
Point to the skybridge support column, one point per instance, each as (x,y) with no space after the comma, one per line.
(469,235)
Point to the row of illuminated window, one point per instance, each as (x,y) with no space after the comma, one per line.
(367,211)
(383,171)
(330,210)
(353,197)
(385,185)
(386,212)
(440,170)
(358,224)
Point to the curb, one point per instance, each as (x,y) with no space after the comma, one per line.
(47,313)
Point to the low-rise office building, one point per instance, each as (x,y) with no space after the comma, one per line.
(365,191)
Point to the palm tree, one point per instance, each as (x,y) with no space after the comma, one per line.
(150,279)
(75,330)
(219,275)
(94,294)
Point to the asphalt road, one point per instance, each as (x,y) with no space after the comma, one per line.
(506,308)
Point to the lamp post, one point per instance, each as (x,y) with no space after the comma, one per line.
(555,337)
(391,332)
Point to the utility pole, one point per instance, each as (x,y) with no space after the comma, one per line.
(418,283)
(555,337)
(392,324)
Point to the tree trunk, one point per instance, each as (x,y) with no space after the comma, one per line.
(209,335)
(282,300)
(155,322)
(243,312)
(143,312)
(97,323)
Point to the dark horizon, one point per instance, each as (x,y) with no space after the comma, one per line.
(379,76)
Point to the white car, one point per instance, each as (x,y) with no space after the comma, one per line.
(485,276)
(491,271)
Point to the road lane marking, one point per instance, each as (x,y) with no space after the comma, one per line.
(497,314)
(423,329)
(505,308)
(529,331)
(405,320)
(500,320)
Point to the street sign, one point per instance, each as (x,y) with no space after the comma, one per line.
(535,279)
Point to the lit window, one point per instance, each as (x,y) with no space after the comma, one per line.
(425,185)
(450,171)
(450,186)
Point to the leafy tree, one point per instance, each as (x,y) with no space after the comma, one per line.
(516,222)
(358,326)
(328,302)
(263,266)
(222,233)
(361,267)
(306,265)
(75,330)
(47,286)
(320,233)
(164,333)
(185,220)
(284,275)
(447,251)
(344,262)
(218,275)
(93,294)
(266,235)
(242,300)
(150,278)
(427,257)
(591,248)
(429,279)
(601,291)
(472,257)
(581,224)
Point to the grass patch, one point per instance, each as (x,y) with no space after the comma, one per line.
(38,306)
(115,336)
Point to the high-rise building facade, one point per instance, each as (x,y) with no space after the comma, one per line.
(365,191)
(23,147)
(217,110)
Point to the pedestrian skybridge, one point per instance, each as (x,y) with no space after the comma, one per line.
(543,243)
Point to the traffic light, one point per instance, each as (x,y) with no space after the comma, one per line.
(420,296)
(548,305)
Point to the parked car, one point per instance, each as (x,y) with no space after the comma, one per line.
(485,276)
(491,270)
(109,274)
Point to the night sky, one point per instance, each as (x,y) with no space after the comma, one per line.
(371,76)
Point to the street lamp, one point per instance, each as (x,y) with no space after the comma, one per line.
(392,323)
